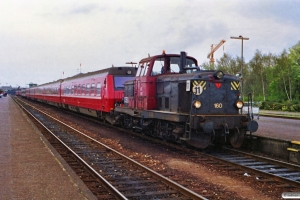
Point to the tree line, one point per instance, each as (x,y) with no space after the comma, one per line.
(269,77)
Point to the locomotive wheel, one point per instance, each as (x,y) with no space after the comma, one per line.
(164,138)
(237,138)
(201,139)
(183,143)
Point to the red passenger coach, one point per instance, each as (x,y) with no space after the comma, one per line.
(48,93)
(94,93)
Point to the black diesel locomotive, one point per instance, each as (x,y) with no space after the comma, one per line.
(173,99)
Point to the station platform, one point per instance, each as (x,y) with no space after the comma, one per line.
(29,167)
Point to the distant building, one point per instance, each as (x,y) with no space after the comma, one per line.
(8,89)
(5,88)
(32,85)
(12,90)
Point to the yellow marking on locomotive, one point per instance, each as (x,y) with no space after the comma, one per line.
(292,149)
(200,83)
(235,85)
(295,142)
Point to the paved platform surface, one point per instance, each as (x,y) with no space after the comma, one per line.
(29,168)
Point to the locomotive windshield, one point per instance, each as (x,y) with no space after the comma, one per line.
(120,80)
(172,65)
(175,65)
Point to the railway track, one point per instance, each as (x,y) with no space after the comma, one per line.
(265,169)
(261,167)
(108,173)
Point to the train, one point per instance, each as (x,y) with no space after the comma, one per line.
(167,96)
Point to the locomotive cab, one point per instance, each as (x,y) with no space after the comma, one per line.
(149,69)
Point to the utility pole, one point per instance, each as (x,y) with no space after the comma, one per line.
(241,74)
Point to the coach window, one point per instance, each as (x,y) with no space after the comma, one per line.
(93,89)
(78,90)
(75,89)
(83,89)
(88,87)
(158,67)
(72,90)
(98,89)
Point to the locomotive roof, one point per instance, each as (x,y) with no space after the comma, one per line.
(166,55)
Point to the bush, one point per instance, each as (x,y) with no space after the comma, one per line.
(285,106)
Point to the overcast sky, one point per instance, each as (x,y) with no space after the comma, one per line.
(39,39)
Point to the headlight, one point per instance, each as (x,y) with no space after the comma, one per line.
(239,104)
(219,74)
(197,104)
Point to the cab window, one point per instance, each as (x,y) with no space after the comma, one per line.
(120,80)
(158,66)
(140,68)
(144,69)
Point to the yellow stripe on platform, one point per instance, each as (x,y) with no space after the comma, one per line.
(295,142)
(292,149)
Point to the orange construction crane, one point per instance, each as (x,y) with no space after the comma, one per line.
(213,49)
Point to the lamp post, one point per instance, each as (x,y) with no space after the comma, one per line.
(241,38)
